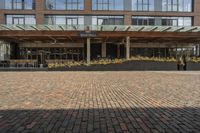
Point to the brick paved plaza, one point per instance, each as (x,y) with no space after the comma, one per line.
(99,102)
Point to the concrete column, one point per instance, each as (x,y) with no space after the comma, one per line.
(118,51)
(103,50)
(198,50)
(88,50)
(128,48)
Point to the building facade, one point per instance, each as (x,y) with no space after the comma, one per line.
(76,44)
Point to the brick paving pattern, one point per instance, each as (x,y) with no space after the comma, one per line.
(98,102)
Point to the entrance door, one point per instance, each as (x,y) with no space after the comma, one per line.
(111,50)
(18,20)
(95,51)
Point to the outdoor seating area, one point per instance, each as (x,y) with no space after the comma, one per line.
(58,61)
(19,63)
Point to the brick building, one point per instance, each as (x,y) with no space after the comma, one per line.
(45,30)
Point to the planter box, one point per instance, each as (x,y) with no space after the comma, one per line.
(131,66)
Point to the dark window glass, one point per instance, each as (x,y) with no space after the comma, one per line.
(162,21)
(107,20)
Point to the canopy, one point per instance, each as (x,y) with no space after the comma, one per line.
(100,28)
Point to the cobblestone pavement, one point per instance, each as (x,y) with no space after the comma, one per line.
(99,102)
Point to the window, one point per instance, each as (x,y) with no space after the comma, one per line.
(8,4)
(143,5)
(170,21)
(177,5)
(108,4)
(20,19)
(65,4)
(65,20)
(75,4)
(61,4)
(107,20)
(185,5)
(19,4)
(162,21)
(143,20)
(29,4)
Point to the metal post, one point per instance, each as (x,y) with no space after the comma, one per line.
(88,50)
(128,48)
(103,50)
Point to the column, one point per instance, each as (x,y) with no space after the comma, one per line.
(198,50)
(2,18)
(128,48)
(40,8)
(103,50)
(127,19)
(88,50)
(88,6)
(196,12)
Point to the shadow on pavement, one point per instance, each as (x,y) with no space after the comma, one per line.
(101,120)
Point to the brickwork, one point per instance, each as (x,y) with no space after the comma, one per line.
(100,102)
(1,19)
(40,11)
(196,13)
(40,7)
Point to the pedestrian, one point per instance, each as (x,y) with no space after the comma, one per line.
(184,63)
(179,63)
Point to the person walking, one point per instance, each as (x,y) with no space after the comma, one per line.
(184,63)
(178,63)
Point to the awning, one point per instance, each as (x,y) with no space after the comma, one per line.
(113,28)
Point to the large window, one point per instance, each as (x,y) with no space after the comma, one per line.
(107,20)
(19,4)
(162,21)
(176,21)
(108,4)
(177,5)
(65,4)
(65,20)
(143,5)
(163,5)
(137,20)
(20,19)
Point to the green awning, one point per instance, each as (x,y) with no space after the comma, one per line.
(99,28)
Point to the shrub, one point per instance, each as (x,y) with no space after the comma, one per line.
(115,61)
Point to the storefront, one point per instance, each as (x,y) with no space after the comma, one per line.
(44,43)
